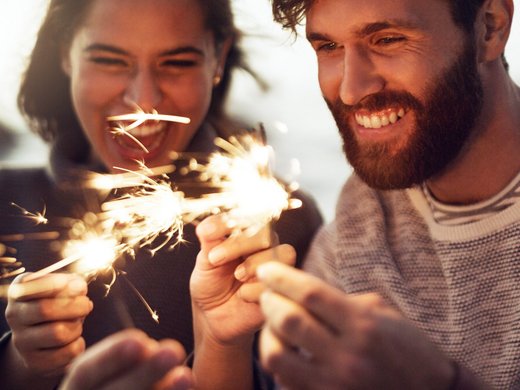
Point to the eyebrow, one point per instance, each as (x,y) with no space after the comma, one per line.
(117,50)
(370,28)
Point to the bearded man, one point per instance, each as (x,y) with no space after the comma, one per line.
(421,266)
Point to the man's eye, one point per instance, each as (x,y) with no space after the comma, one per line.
(389,40)
(328,46)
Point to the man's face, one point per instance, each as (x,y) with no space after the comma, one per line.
(401,81)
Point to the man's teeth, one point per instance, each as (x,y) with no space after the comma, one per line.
(379,120)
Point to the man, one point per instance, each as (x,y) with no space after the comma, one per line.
(426,239)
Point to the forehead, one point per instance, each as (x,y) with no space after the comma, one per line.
(145,22)
(352,16)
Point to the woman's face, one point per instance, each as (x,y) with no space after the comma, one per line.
(154,54)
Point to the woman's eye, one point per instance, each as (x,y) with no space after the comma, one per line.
(108,61)
(178,63)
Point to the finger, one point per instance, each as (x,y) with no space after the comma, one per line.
(213,228)
(330,305)
(106,360)
(52,362)
(240,245)
(295,326)
(247,269)
(47,310)
(290,369)
(47,286)
(180,378)
(161,360)
(250,292)
(49,335)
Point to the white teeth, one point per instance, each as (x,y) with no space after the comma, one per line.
(145,129)
(378,121)
(375,121)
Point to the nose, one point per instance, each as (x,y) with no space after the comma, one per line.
(144,90)
(359,76)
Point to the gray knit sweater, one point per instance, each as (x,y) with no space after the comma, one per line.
(459,284)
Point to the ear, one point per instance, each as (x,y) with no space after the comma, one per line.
(65,60)
(492,28)
(222,56)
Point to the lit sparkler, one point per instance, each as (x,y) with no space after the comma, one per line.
(151,208)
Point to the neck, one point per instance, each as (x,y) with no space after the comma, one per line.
(492,158)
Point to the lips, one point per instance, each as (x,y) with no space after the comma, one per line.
(132,143)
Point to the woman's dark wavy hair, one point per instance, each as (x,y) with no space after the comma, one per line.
(44,96)
(290,13)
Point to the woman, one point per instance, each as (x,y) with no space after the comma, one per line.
(93,60)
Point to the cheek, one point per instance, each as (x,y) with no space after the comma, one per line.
(92,90)
(330,73)
(191,96)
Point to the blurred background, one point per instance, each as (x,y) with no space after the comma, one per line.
(297,121)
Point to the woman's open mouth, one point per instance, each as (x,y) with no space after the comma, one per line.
(143,141)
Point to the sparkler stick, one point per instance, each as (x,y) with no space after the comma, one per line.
(139,117)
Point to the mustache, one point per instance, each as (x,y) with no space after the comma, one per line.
(375,102)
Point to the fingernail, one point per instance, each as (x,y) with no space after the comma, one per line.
(217,255)
(240,272)
(264,297)
(207,228)
(262,271)
(77,286)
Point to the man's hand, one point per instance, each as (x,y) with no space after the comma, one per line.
(130,360)
(46,318)
(317,337)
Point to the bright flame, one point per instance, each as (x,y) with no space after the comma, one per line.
(95,254)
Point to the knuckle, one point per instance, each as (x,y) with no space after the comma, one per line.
(287,253)
(375,300)
(11,314)
(59,333)
(310,297)
(43,309)
(291,323)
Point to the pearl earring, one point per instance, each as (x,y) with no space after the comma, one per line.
(216,80)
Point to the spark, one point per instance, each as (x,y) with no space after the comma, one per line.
(248,192)
(149,207)
(125,131)
(38,218)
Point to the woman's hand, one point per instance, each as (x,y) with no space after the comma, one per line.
(46,318)
(223,285)
(225,293)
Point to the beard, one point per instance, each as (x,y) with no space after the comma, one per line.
(444,126)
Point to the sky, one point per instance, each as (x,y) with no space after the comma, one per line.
(297,120)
